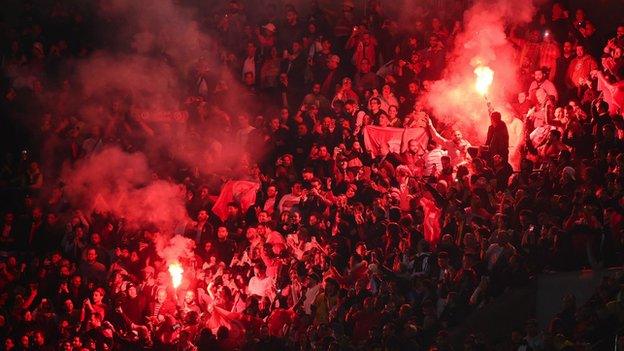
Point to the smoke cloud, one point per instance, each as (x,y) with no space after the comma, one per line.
(483,42)
(122,184)
(175,248)
(132,94)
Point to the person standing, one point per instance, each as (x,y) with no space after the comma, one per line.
(498,137)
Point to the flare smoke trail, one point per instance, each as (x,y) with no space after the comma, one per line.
(483,42)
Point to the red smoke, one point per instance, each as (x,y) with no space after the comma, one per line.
(122,184)
(483,42)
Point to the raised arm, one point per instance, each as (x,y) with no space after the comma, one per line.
(434,133)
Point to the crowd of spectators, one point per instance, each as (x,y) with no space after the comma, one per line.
(342,250)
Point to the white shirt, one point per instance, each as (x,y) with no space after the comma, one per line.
(310,297)
(249,65)
(260,287)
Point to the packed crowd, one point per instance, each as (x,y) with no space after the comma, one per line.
(342,250)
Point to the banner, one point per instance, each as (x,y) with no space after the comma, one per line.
(381,140)
(240,191)
(613,94)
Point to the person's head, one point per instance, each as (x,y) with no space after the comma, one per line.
(323,153)
(69,305)
(296,47)
(326,45)
(522,97)
(580,15)
(541,95)
(259,270)
(413,146)
(366,38)
(393,111)
(98,295)
(539,75)
(37,213)
(457,136)
(291,16)
(39,338)
(202,216)
(9,344)
(25,342)
(161,295)
(431,145)
(364,66)
(580,50)
(76,281)
(534,35)
(233,209)
(77,342)
(351,190)
(328,122)
(189,296)
(589,29)
(350,106)
(619,32)
(132,291)
(558,11)
(316,183)
(96,239)
(302,129)
(332,62)
(525,217)
(274,123)
(249,78)
(434,41)
(386,90)
(346,83)
(555,135)
(295,218)
(316,88)
(271,191)
(222,233)
(383,120)
(497,160)
(443,260)
(91,255)
(375,104)
(331,286)
(568,48)
(495,118)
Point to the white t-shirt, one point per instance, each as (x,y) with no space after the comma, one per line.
(260,287)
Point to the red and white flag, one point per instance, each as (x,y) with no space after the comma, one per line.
(613,94)
(381,140)
(241,191)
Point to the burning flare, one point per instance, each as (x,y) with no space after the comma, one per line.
(485,75)
(176,270)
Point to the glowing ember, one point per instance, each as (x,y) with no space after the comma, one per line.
(485,75)
(176,270)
